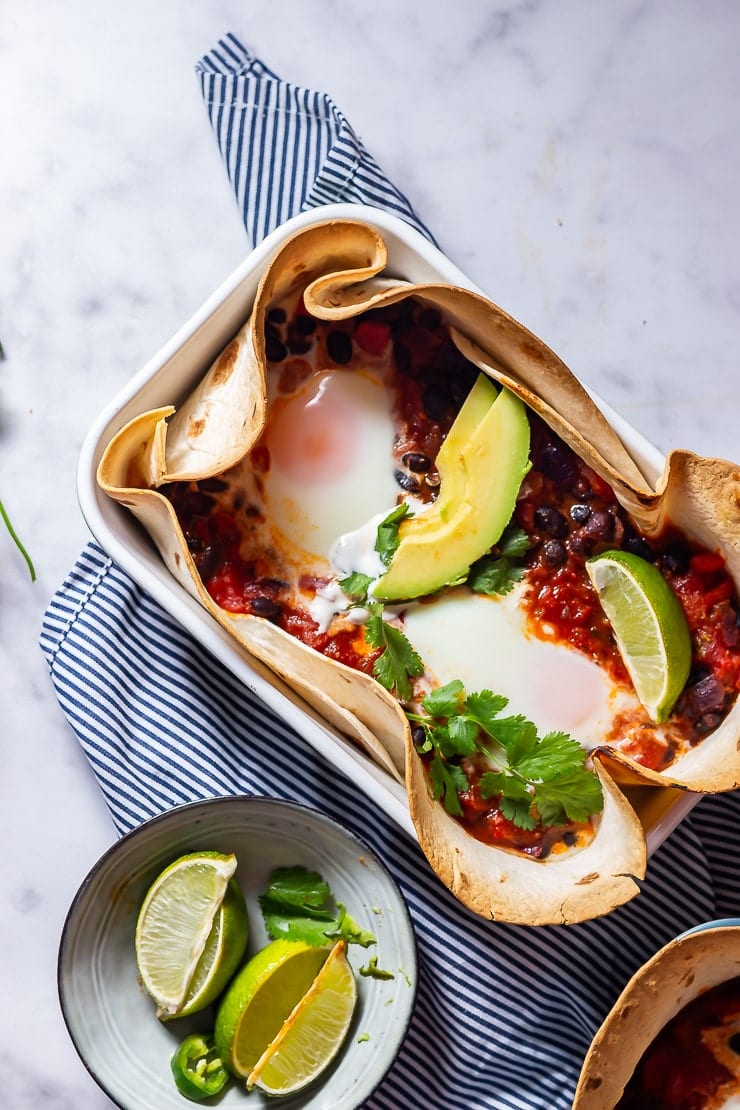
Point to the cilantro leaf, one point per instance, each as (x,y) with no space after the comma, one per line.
(552,755)
(296,886)
(485,707)
(503,782)
(398,663)
(494,575)
(518,811)
(492,783)
(445,700)
(388,540)
(356,585)
(514,543)
(446,779)
(574,797)
(297,904)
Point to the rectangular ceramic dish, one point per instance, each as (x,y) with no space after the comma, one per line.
(169,377)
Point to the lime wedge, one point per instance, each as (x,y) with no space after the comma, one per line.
(261,998)
(222,953)
(312,1035)
(174,927)
(649,626)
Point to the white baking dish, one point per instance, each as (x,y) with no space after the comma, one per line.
(169,377)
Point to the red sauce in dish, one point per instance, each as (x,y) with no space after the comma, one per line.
(694,1060)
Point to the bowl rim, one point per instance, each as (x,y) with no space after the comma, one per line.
(220,800)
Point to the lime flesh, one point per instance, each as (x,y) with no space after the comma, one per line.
(649,627)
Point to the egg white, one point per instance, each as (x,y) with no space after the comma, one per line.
(485,643)
(343,423)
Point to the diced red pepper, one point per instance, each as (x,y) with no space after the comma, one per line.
(707,562)
(372,337)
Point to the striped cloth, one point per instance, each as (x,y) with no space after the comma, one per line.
(504,1014)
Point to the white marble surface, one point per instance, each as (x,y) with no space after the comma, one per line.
(580,161)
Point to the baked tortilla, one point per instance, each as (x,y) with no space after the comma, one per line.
(673,978)
(338,264)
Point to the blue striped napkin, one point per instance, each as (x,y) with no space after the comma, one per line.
(505,1014)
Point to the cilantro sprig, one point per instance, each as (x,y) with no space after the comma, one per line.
(496,573)
(537,779)
(297,904)
(398,662)
(16,540)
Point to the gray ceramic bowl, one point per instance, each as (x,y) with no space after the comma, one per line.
(112,1021)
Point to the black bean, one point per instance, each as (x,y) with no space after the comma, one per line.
(213,485)
(298,343)
(580,543)
(675,558)
(459,387)
(199,504)
(636,545)
(436,403)
(271,333)
(402,357)
(580,513)
(550,520)
(600,525)
(265,607)
(569,838)
(273,584)
(339,347)
(432,375)
(305,325)
(275,350)
(406,481)
(277,316)
(734,1043)
(418,735)
(707,723)
(417,462)
(557,463)
(206,560)
(582,489)
(430,318)
(554,553)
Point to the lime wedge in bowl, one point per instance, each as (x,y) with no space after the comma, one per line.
(649,626)
(261,998)
(191,932)
(314,1032)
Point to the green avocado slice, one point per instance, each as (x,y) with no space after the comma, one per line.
(481,466)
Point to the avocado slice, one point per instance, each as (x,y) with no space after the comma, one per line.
(481,466)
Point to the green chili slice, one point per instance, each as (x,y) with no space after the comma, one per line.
(197,1068)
